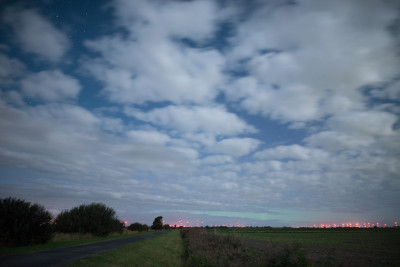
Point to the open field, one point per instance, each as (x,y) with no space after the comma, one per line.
(352,246)
(64,240)
(363,239)
(163,250)
(248,247)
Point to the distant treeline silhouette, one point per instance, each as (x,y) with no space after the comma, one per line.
(23,223)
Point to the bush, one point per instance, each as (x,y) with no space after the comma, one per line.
(23,223)
(138,227)
(95,218)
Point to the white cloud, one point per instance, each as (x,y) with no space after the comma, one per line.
(235,146)
(168,18)
(148,137)
(138,72)
(152,64)
(67,140)
(35,34)
(12,97)
(10,68)
(334,141)
(189,142)
(294,103)
(327,51)
(364,123)
(296,152)
(50,86)
(217,159)
(215,120)
(354,130)
(391,91)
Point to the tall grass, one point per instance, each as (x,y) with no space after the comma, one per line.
(204,248)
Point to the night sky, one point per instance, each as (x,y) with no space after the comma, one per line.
(280,113)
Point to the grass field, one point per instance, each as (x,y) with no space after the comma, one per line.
(163,250)
(64,240)
(375,247)
(381,239)
(261,246)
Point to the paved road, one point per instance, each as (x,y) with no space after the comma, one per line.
(65,256)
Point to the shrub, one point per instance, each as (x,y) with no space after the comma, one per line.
(23,223)
(95,218)
(138,227)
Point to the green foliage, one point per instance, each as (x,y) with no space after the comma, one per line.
(95,218)
(138,227)
(23,223)
(157,223)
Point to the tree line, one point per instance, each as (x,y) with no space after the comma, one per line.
(23,223)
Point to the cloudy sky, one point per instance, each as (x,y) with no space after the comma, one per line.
(211,112)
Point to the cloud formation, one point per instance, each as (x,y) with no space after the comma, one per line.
(35,34)
(205,108)
(50,86)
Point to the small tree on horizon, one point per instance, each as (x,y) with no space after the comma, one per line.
(157,223)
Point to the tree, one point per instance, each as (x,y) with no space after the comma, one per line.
(95,218)
(23,223)
(157,223)
(138,227)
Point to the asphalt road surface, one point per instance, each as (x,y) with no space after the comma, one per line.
(65,256)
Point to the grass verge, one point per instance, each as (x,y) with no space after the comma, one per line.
(163,250)
(64,240)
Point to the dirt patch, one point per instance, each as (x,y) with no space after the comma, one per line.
(321,256)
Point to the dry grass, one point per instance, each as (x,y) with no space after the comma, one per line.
(204,248)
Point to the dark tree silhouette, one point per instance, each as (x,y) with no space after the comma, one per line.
(157,224)
(23,223)
(96,219)
(138,227)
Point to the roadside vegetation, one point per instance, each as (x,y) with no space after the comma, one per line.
(205,248)
(163,250)
(23,223)
(96,219)
(27,227)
